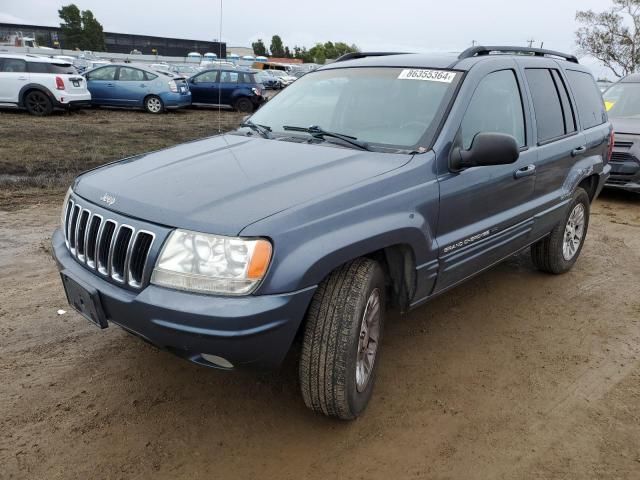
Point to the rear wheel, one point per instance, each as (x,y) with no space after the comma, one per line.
(244,105)
(153,104)
(341,345)
(558,252)
(38,103)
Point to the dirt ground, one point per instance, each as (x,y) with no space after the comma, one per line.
(514,375)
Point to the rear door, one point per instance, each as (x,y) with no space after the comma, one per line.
(557,139)
(228,85)
(13,76)
(485,212)
(132,85)
(101,84)
(204,87)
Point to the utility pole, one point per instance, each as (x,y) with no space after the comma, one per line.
(473,43)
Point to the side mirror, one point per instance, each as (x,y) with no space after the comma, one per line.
(488,148)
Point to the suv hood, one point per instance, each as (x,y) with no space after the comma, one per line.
(222,184)
(628,125)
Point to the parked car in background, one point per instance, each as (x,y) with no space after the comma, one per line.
(136,86)
(267,80)
(623,104)
(40,84)
(285,78)
(603,85)
(239,90)
(185,69)
(371,183)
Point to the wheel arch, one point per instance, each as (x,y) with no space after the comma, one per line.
(31,87)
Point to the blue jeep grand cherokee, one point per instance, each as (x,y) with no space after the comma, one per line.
(380,180)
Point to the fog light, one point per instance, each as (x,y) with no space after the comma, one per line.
(216,360)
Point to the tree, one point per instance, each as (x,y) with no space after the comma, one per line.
(80,29)
(613,36)
(287,52)
(277,49)
(71,27)
(259,48)
(94,36)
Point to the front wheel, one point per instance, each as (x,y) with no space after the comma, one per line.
(342,338)
(558,252)
(153,104)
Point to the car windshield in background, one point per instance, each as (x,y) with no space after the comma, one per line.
(389,107)
(623,100)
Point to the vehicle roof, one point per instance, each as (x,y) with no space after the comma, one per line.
(450,60)
(633,78)
(35,58)
(139,66)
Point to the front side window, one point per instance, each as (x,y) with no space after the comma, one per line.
(384,106)
(104,73)
(131,75)
(496,107)
(206,77)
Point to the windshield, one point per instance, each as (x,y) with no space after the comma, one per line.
(391,107)
(623,100)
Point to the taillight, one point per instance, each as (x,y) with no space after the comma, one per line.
(172,86)
(612,141)
(59,83)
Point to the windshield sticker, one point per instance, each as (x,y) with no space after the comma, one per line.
(428,75)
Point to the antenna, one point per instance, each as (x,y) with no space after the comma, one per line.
(220,72)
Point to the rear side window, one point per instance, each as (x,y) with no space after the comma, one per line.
(550,114)
(131,75)
(104,73)
(228,77)
(150,76)
(588,98)
(496,106)
(13,65)
(247,78)
(42,67)
(207,77)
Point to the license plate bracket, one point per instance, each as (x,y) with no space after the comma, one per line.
(85,299)
(76,83)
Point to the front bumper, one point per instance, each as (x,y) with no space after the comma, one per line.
(625,163)
(247,331)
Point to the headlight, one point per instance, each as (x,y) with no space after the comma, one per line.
(200,262)
(63,217)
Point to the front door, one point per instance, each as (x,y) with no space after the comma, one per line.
(485,211)
(101,84)
(204,87)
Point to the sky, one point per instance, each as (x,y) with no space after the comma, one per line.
(397,25)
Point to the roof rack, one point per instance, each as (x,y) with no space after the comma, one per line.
(355,55)
(538,52)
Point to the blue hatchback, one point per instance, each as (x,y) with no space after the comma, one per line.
(237,89)
(136,86)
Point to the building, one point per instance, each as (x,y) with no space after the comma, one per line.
(114,42)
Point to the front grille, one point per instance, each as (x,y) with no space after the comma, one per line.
(622,157)
(114,250)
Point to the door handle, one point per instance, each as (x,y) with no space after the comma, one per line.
(578,151)
(22,78)
(525,171)
(110,85)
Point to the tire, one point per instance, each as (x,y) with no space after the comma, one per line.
(332,342)
(244,105)
(551,254)
(38,103)
(153,104)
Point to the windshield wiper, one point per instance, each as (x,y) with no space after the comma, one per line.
(318,132)
(263,130)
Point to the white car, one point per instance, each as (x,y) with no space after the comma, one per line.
(40,84)
(284,77)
